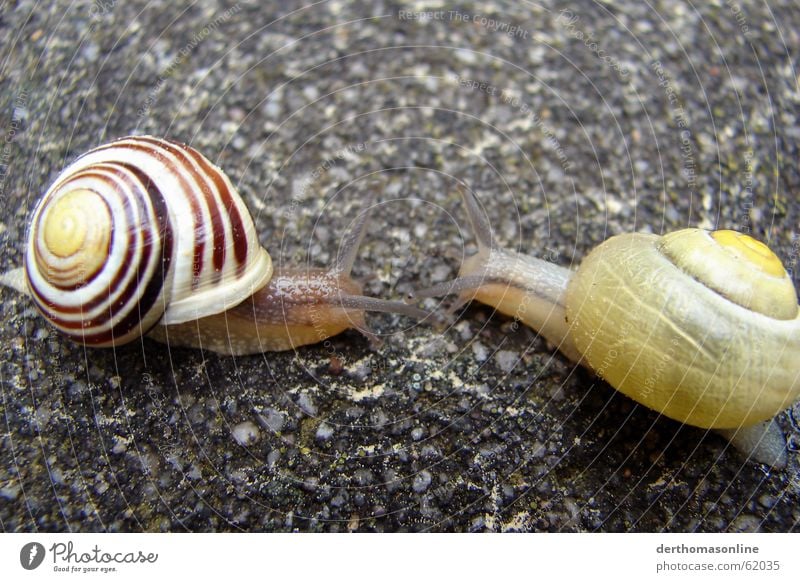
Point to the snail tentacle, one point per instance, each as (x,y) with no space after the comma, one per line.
(484,238)
(351,241)
(343,266)
(526,288)
(481,228)
(378,305)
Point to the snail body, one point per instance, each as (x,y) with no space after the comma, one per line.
(703,327)
(145,236)
(297,307)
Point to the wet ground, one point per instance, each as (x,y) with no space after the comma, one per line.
(572,122)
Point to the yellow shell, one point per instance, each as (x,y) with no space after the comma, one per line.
(703,327)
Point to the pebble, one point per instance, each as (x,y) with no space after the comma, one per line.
(363,477)
(464,330)
(354,412)
(746,523)
(324,431)
(480,351)
(379,418)
(506,360)
(390,480)
(306,404)
(10,492)
(441,273)
(272,458)
(422,481)
(194,473)
(272,419)
(246,433)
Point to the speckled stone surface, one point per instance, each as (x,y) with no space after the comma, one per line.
(573,122)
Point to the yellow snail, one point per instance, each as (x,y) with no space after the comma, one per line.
(145,236)
(703,327)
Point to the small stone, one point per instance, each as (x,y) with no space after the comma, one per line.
(767,500)
(506,360)
(272,419)
(390,480)
(324,431)
(464,330)
(10,492)
(120,446)
(335,367)
(379,418)
(272,106)
(272,457)
(246,433)
(194,473)
(441,273)
(101,487)
(339,499)
(363,477)
(354,412)
(480,351)
(306,404)
(422,481)
(466,56)
(746,523)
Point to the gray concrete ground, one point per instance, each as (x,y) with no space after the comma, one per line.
(572,121)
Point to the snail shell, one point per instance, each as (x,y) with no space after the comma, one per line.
(137,232)
(702,327)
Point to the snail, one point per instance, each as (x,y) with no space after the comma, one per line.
(144,236)
(703,327)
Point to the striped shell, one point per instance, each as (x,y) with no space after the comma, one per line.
(139,232)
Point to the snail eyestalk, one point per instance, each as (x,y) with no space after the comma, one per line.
(525,288)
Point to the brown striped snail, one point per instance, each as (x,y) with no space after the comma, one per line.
(701,326)
(145,236)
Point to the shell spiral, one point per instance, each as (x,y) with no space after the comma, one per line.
(138,232)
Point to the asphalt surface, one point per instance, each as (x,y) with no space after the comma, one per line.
(572,122)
